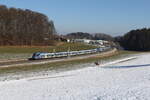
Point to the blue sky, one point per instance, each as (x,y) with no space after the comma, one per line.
(114,17)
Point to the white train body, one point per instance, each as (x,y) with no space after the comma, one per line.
(44,55)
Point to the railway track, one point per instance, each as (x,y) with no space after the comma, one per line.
(26,62)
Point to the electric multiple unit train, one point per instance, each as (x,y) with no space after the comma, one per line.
(44,55)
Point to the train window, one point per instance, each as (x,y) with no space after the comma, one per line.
(49,55)
(34,54)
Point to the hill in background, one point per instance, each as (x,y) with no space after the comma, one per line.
(96,36)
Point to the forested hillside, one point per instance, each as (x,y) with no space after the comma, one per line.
(136,40)
(97,36)
(79,35)
(25,27)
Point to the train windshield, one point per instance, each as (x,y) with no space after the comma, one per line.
(35,54)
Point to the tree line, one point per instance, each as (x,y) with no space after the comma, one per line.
(25,27)
(138,40)
(96,36)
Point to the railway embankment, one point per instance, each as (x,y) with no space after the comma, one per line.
(26,62)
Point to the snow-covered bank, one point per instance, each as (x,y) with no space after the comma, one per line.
(117,61)
(125,80)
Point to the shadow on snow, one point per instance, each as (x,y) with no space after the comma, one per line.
(131,66)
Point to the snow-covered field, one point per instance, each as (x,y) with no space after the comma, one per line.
(129,80)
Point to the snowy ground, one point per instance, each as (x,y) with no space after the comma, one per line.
(128,80)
